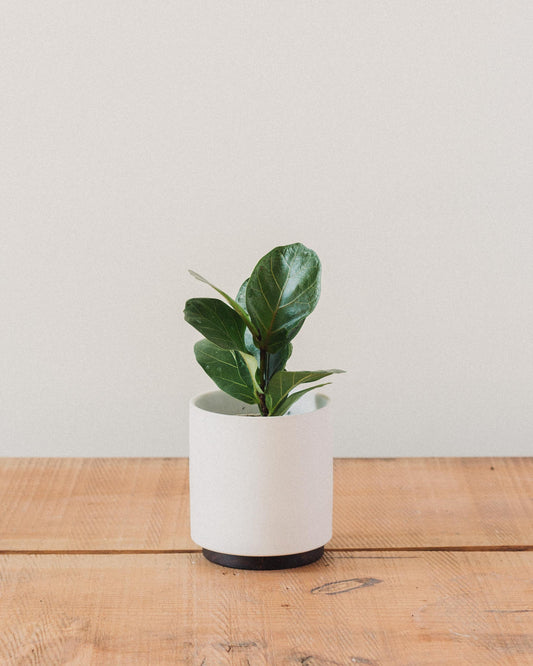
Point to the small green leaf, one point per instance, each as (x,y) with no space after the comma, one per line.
(241,295)
(217,322)
(282,291)
(227,369)
(238,309)
(278,360)
(283,382)
(289,401)
(251,347)
(251,364)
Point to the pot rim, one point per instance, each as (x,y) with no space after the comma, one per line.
(193,404)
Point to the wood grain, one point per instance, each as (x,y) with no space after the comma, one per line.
(436,608)
(433,503)
(378,596)
(141,504)
(94,504)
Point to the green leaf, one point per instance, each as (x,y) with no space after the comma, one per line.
(251,347)
(217,322)
(275,361)
(241,295)
(238,309)
(227,369)
(289,401)
(283,382)
(252,365)
(282,291)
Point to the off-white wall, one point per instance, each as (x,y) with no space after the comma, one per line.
(139,139)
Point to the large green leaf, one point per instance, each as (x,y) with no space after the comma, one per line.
(238,309)
(227,369)
(283,382)
(275,361)
(217,322)
(282,291)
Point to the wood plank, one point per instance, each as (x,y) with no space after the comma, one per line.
(94,504)
(425,608)
(433,502)
(81,504)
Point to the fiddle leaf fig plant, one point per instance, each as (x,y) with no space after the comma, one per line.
(248,339)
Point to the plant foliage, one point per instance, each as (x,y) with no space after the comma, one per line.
(248,339)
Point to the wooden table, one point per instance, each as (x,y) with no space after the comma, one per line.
(431,563)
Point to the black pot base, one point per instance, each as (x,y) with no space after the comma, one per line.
(264,563)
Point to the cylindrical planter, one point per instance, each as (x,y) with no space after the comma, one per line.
(261,488)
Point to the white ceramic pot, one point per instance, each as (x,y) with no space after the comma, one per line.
(261,488)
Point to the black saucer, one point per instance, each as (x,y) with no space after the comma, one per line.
(264,563)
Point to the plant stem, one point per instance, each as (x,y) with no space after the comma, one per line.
(263,369)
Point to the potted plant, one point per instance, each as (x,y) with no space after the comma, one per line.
(260,458)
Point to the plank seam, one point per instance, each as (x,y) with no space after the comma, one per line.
(144,551)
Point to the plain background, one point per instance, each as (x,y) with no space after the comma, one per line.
(139,139)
